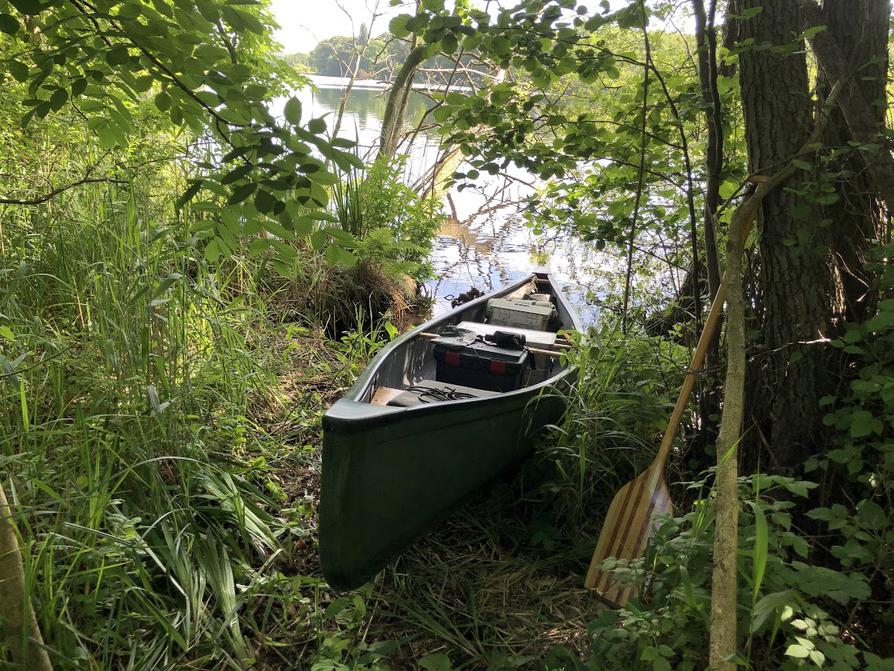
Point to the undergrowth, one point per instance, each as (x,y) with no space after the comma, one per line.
(159,432)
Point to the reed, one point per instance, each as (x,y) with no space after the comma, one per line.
(143,470)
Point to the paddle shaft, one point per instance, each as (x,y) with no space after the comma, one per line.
(629,519)
(698,360)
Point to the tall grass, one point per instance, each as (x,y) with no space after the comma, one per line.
(134,377)
(617,409)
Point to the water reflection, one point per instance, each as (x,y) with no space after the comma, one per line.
(484,242)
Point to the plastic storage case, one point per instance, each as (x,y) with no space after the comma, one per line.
(478,364)
(524,314)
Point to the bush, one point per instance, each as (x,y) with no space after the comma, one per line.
(390,225)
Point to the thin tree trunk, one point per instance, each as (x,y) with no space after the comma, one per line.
(724,586)
(690,199)
(642,166)
(359,53)
(396,106)
(706,38)
(706,41)
(24,639)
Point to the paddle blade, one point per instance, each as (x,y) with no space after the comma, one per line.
(628,526)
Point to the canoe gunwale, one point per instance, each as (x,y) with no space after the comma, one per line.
(345,417)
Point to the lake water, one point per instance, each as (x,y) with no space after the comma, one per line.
(487,244)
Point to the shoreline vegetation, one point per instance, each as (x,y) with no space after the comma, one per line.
(187,282)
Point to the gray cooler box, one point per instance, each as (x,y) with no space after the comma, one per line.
(520,313)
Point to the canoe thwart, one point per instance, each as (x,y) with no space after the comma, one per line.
(533,350)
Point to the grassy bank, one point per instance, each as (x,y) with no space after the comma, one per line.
(161,432)
(160,437)
(160,425)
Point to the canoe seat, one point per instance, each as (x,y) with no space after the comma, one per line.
(432,391)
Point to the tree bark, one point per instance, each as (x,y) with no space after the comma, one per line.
(23,633)
(859,28)
(706,39)
(856,109)
(794,276)
(644,141)
(396,106)
(724,585)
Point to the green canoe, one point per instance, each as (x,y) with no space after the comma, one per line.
(390,473)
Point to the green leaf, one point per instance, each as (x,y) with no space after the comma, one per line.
(78,87)
(212,251)
(242,192)
(18,70)
(117,55)
(163,101)
(189,194)
(761,548)
(871,515)
(9,24)
(236,174)
(863,423)
(30,7)
(728,188)
(58,99)
(769,605)
(316,126)
(6,332)
(797,651)
(265,201)
(398,25)
(817,657)
(436,662)
(811,32)
(292,111)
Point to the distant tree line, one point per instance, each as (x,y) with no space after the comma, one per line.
(380,58)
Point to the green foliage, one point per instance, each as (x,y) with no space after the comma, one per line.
(619,401)
(207,66)
(384,222)
(154,385)
(786,601)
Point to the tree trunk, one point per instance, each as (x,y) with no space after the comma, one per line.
(24,639)
(794,277)
(706,39)
(396,106)
(855,108)
(860,28)
(724,586)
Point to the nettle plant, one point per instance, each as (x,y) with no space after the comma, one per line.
(793,612)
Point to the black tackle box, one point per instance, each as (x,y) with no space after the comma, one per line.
(475,363)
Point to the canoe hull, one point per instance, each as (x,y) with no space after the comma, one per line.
(423,467)
(390,473)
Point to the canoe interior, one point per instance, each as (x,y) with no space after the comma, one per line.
(412,361)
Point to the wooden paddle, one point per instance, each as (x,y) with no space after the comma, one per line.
(630,520)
